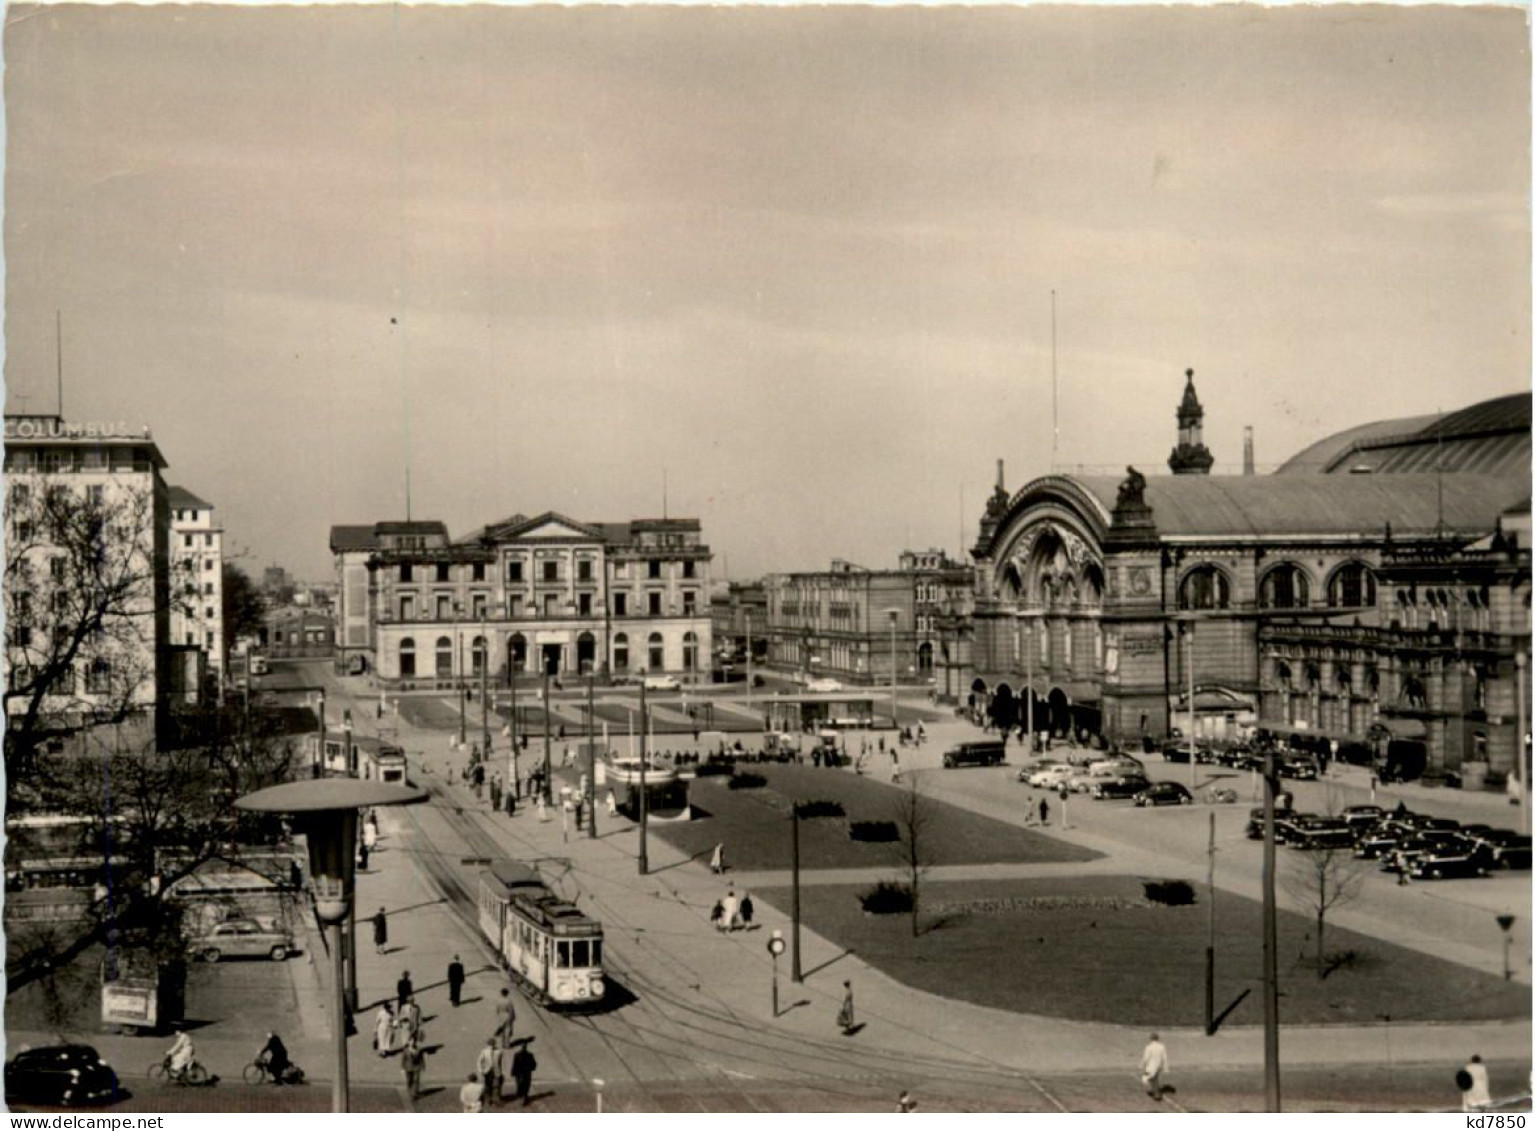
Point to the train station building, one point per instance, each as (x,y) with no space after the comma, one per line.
(1375,588)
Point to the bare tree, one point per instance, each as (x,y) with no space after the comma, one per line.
(912,811)
(86,579)
(1321,880)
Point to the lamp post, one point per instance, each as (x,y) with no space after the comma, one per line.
(458,667)
(894,615)
(590,800)
(326,812)
(644,858)
(548,769)
(775,947)
(1521,746)
(484,685)
(794,965)
(511,728)
(1026,642)
(1506,922)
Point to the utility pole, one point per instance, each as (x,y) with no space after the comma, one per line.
(1028,654)
(1521,768)
(484,687)
(1188,659)
(1210,941)
(1270,944)
(590,799)
(458,667)
(644,861)
(748,657)
(511,728)
(548,773)
(794,972)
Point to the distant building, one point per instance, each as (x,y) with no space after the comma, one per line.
(738,613)
(275,581)
(119,470)
(296,633)
(197,556)
(522,596)
(859,624)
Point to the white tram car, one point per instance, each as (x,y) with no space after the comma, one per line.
(550,947)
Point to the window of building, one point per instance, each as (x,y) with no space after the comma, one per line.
(210,612)
(407,573)
(690,652)
(407,606)
(95,495)
(208,640)
(1284,587)
(444,656)
(657,652)
(654,600)
(191,638)
(514,606)
(551,604)
(207,588)
(477,571)
(207,563)
(654,568)
(186,539)
(689,569)
(620,604)
(56,568)
(444,606)
(23,531)
(689,602)
(1204,587)
(407,657)
(514,571)
(207,539)
(584,569)
(480,604)
(584,604)
(477,654)
(1352,587)
(98,677)
(517,648)
(444,571)
(621,652)
(551,571)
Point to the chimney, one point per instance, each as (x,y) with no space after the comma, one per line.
(1247,450)
(1000,487)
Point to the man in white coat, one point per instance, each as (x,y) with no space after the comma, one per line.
(1153,1065)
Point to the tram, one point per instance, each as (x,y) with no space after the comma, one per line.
(552,950)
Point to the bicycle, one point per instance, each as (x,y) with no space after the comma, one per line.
(257,1072)
(192,1075)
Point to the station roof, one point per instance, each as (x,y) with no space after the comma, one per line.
(1491,437)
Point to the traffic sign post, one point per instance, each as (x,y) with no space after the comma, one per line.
(775,947)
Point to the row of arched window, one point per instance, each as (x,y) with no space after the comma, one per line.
(1284,586)
(517,647)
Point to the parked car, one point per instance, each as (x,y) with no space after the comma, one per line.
(241,938)
(1047,775)
(662,683)
(825,683)
(60,1075)
(1322,833)
(1298,767)
(1362,818)
(1382,839)
(1410,848)
(1175,752)
(1461,856)
(1289,824)
(1164,793)
(1106,789)
(984,753)
(1507,849)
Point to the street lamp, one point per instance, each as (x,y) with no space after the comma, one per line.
(458,668)
(894,615)
(775,947)
(326,813)
(644,859)
(1506,922)
(1026,643)
(484,683)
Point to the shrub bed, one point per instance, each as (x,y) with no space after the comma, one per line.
(1169,893)
(880,832)
(886,898)
(809,809)
(747,781)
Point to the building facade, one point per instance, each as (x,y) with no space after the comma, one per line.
(738,612)
(1355,607)
(197,563)
(87,523)
(862,625)
(528,595)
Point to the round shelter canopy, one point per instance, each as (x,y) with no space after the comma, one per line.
(326,794)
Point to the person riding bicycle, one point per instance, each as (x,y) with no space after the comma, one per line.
(274,1058)
(182,1054)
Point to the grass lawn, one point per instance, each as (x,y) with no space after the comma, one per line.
(1141,966)
(753,825)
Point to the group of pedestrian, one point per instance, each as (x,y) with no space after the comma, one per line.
(397,1026)
(731,913)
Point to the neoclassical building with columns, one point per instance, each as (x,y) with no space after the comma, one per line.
(1349,601)
(522,596)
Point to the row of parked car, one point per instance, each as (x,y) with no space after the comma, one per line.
(1425,847)
(1292,764)
(1117,776)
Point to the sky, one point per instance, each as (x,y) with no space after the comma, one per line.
(785,270)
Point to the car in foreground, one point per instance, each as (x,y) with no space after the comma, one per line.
(1164,793)
(824,684)
(1126,786)
(60,1076)
(1460,856)
(241,938)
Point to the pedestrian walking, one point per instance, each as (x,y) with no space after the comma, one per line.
(717,861)
(383,1030)
(612,804)
(488,1065)
(362,856)
(1065,812)
(412,1060)
(1044,812)
(1154,1066)
(402,990)
(295,877)
(495,792)
(732,910)
(845,1017)
(380,931)
(407,1023)
(1031,812)
(717,916)
(471,1095)
(1475,1089)
(746,910)
(369,835)
(895,767)
(523,1066)
(543,810)
(511,803)
(506,1018)
(455,980)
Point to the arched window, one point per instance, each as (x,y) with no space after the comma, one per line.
(657,653)
(517,650)
(477,654)
(444,655)
(925,657)
(1353,587)
(586,652)
(1204,587)
(1284,587)
(407,657)
(621,652)
(690,652)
